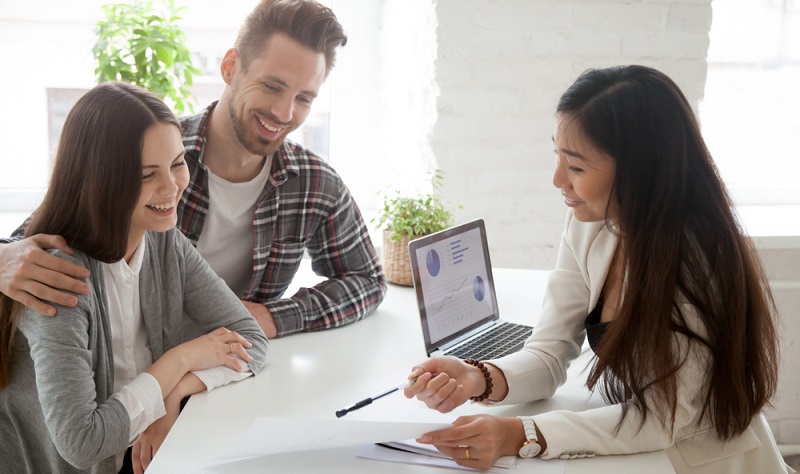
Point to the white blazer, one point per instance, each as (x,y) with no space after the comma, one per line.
(536,371)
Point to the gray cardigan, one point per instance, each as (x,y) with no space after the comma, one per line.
(55,415)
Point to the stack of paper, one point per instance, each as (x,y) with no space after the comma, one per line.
(410,445)
(411,452)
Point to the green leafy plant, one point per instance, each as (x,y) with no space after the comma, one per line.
(415,216)
(142,45)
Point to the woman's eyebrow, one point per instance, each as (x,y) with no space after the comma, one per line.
(573,154)
(178,156)
(568,151)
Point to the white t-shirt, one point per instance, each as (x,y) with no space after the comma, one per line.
(227,238)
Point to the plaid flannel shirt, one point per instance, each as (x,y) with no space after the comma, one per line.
(304,206)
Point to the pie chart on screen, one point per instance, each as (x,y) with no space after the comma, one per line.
(478,288)
(433,263)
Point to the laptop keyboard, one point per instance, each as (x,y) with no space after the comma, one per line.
(502,340)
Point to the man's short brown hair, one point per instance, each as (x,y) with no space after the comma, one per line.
(305,21)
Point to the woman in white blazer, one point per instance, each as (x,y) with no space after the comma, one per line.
(655,271)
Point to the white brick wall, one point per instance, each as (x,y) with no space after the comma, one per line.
(501,67)
(781,258)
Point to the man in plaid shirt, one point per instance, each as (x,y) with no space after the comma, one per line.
(256,202)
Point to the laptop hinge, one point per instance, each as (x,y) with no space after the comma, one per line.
(474,332)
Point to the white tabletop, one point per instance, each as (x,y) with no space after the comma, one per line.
(312,375)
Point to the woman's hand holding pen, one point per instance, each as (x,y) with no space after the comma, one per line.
(444,383)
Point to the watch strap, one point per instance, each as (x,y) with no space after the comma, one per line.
(530,448)
(530,428)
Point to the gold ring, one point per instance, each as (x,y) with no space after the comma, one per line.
(231,348)
(466,450)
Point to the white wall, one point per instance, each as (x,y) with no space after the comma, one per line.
(781,258)
(26,163)
(501,68)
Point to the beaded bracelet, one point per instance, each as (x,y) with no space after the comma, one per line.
(486,376)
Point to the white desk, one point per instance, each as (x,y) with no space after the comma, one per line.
(313,375)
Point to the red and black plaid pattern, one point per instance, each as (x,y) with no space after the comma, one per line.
(305,206)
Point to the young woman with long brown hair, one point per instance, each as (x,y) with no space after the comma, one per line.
(78,389)
(655,270)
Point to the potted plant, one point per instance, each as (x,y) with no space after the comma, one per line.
(404,218)
(143,45)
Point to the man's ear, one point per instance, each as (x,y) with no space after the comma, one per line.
(229,66)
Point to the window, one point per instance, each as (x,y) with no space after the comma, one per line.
(750,112)
(49,43)
(371,120)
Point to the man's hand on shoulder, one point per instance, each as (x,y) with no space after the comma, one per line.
(31,275)
(263,317)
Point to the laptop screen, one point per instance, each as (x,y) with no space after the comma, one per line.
(453,281)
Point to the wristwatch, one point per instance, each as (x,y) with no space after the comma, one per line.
(531,448)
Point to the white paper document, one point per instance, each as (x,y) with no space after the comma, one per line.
(410,445)
(285,435)
(504,465)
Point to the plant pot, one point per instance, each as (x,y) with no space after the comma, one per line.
(396,262)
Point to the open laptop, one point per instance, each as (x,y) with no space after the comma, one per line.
(457,303)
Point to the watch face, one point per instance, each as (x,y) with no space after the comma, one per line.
(529,450)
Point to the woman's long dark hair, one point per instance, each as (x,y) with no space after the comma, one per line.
(681,243)
(95,182)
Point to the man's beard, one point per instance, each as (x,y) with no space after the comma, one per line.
(257,144)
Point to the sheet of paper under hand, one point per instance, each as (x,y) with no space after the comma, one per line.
(268,435)
(506,462)
(504,465)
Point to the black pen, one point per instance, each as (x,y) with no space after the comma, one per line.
(367,401)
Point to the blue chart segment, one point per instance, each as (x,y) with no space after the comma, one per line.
(478,288)
(433,263)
